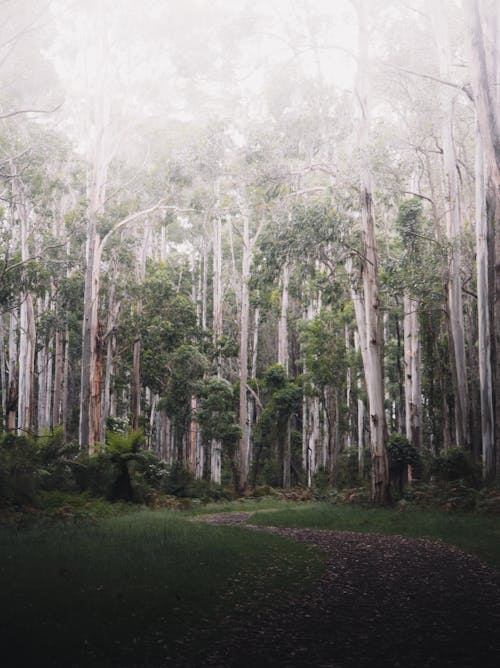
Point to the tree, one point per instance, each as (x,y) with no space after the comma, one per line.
(454,228)
(369,323)
(483,77)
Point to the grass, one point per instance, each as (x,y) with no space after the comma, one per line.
(250,504)
(151,587)
(136,589)
(473,533)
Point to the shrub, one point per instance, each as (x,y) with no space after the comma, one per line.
(347,467)
(118,442)
(321,483)
(455,464)
(401,454)
(57,461)
(19,470)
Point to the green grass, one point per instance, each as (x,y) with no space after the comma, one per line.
(136,589)
(473,533)
(250,504)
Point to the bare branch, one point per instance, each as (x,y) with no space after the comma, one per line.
(31,259)
(465,88)
(126,221)
(30,111)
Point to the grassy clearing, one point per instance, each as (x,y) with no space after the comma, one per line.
(135,589)
(476,534)
(249,504)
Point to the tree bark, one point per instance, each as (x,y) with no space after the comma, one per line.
(27,332)
(283,321)
(13,373)
(3,373)
(243,361)
(369,276)
(412,382)
(454,229)
(486,98)
(99,159)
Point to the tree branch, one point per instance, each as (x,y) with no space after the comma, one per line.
(30,111)
(465,88)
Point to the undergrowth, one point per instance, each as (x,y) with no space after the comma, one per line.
(137,589)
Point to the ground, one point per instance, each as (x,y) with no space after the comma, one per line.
(382,601)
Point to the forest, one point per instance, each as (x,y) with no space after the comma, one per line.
(258,285)
(248,250)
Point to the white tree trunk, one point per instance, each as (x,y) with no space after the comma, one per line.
(283,321)
(244,463)
(3,373)
(454,229)
(484,72)
(348,391)
(13,365)
(412,382)
(215,461)
(369,276)
(361,418)
(99,111)
(27,333)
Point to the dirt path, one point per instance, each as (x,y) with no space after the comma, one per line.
(382,601)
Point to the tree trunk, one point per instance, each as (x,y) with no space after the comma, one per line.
(65,385)
(216,446)
(454,229)
(13,373)
(58,379)
(253,374)
(27,333)
(361,419)
(283,359)
(135,400)
(99,158)
(244,463)
(412,383)
(369,275)
(483,309)
(3,373)
(283,321)
(215,461)
(348,391)
(486,97)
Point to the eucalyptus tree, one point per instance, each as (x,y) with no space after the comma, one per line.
(369,320)
(454,227)
(484,38)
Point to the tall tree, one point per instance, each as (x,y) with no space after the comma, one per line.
(371,317)
(484,83)
(454,229)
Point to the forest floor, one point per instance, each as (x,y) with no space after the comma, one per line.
(381,601)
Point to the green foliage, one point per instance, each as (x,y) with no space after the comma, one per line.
(282,400)
(455,464)
(401,454)
(186,367)
(323,348)
(57,461)
(19,470)
(322,490)
(216,412)
(120,443)
(146,580)
(409,224)
(116,425)
(29,465)
(474,533)
(286,401)
(347,468)
(275,377)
